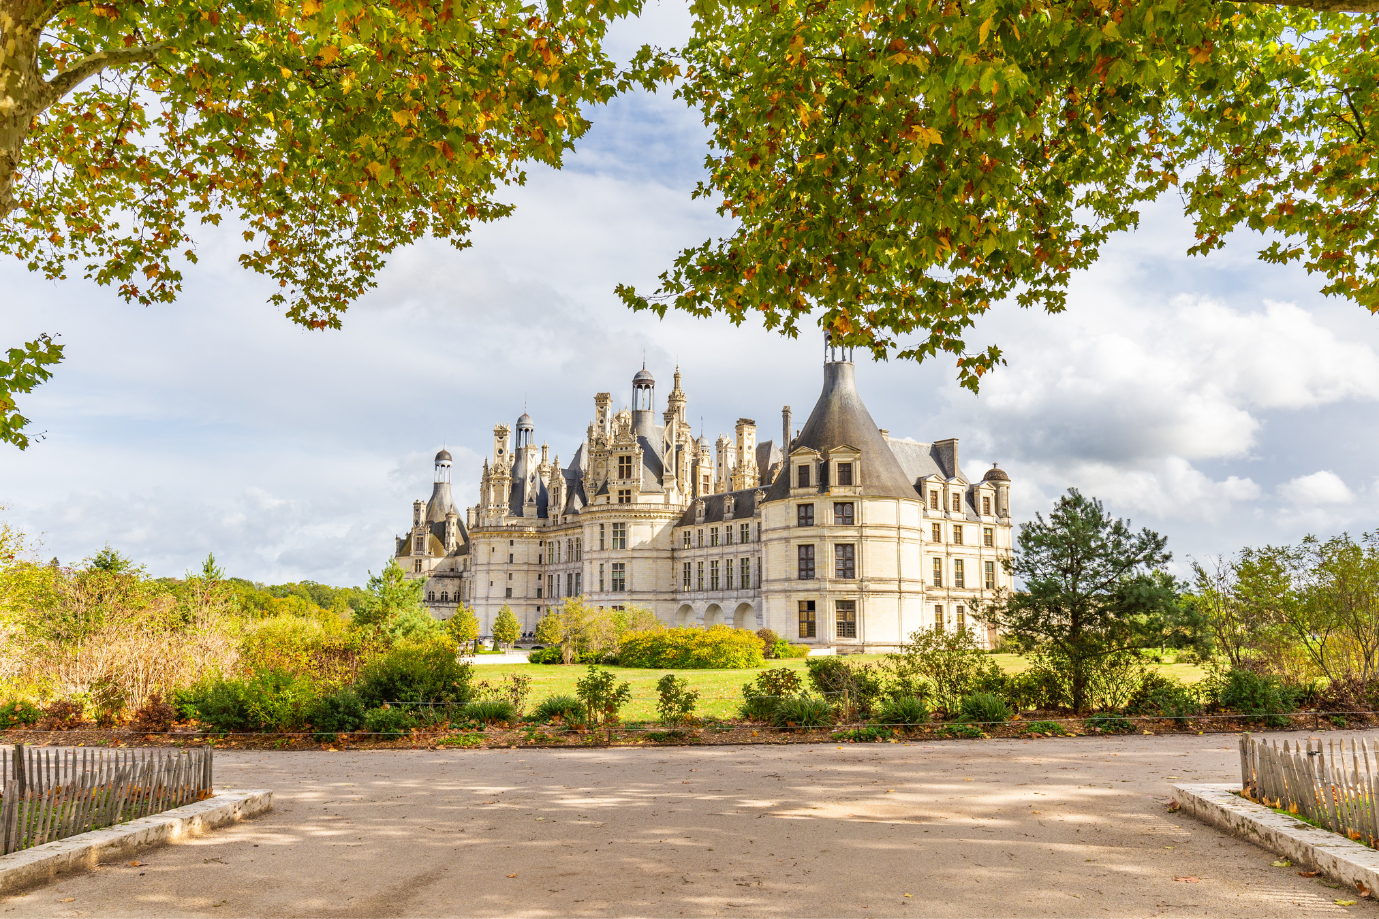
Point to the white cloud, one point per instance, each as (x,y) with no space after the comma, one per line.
(1324,487)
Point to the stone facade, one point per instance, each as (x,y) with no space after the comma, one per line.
(837,535)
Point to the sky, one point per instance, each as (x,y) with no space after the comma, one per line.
(1220,401)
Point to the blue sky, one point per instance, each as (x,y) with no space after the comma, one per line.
(1221,401)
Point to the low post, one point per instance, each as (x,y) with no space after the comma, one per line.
(23,785)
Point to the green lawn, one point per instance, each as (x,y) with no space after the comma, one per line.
(720,691)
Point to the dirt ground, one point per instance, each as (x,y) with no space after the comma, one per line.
(1049,827)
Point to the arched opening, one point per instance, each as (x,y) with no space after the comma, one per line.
(745,617)
(684,615)
(713,615)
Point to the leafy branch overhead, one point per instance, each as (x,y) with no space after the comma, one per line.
(896,167)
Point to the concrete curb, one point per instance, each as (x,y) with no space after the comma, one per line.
(42,864)
(1301,843)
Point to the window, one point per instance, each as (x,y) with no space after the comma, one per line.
(728,535)
(431,596)
(509,592)
(579,548)
(538,592)
(698,575)
(845,473)
(713,575)
(579,583)
(806,563)
(842,514)
(933,500)
(687,539)
(937,533)
(957,503)
(938,572)
(539,556)
(600,574)
(624,496)
(989,570)
(804,515)
(569,583)
(619,577)
(624,467)
(845,561)
(962,619)
(959,578)
(619,536)
(802,475)
(986,506)
(728,573)
(701,539)
(445,597)
(807,624)
(988,537)
(421,543)
(938,617)
(744,533)
(550,585)
(957,535)
(845,618)
(713,536)
(685,575)
(418,567)
(509,575)
(509,558)
(744,571)
(600,545)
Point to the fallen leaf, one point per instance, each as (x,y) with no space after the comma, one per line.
(907,895)
(1345,902)
(70,899)
(135,865)
(1188,879)
(1364,891)
(512,875)
(1282,863)
(1173,807)
(1034,812)
(1308,874)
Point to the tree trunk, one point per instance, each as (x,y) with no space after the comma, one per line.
(21,86)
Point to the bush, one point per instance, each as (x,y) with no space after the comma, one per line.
(716,648)
(1164,696)
(220,705)
(943,665)
(905,710)
(802,712)
(984,708)
(1045,727)
(769,640)
(62,715)
(761,695)
(513,689)
(1110,723)
(1257,695)
(970,731)
(871,733)
(425,673)
(786,651)
(340,712)
(387,720)
(1035,689)
(280,699)
(858,686)
(17,713)
(603,697)
(491,711)
(545,656)
(155,716)
(566,708)
(676,701)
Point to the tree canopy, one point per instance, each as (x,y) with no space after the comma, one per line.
(330,131)
(896,167)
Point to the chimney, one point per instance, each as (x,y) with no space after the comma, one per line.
(948,453)
(785,431)
(885,435)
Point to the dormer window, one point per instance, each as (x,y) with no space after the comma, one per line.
(802,475)
(933,500)
(845,473)
(957,504)
(986,507)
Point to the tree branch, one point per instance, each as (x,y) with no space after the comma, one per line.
(92,64)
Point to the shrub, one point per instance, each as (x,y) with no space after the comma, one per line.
(1257,695)
(340,712)
(1161,695)
(758,708)
(491,711)
(1346,694)
(786,651)
(1045,727)
(802,712)
(970,731)
(513,689)
(425,673)
(983,708)
(62,715)
(1110,723)
(566,708)
(155,716)
(676,701)
(18,713)
(716,648)
(545,656)
(907,710)
(761,695)
(1036,689)
(387,720)
(280,700)
(854,686)
(603,697)
(769,640)
(1111,680)
(220,705)
(949,663)
(871,733)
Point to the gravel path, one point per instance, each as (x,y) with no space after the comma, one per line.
(1070,827)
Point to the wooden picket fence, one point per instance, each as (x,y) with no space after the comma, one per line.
(1327,785)
(50,794)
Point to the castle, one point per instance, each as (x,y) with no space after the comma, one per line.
(839,536)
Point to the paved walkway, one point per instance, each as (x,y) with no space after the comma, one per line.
(1071,827)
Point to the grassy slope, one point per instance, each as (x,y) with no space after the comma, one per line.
(720,691)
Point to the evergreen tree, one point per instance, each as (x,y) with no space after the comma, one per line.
(390,595)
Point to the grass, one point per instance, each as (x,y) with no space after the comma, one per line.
(720,691)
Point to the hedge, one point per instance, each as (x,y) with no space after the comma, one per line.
(716,648)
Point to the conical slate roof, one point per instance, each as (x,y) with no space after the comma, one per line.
(839,418)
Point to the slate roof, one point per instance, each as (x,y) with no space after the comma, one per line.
(744,507)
